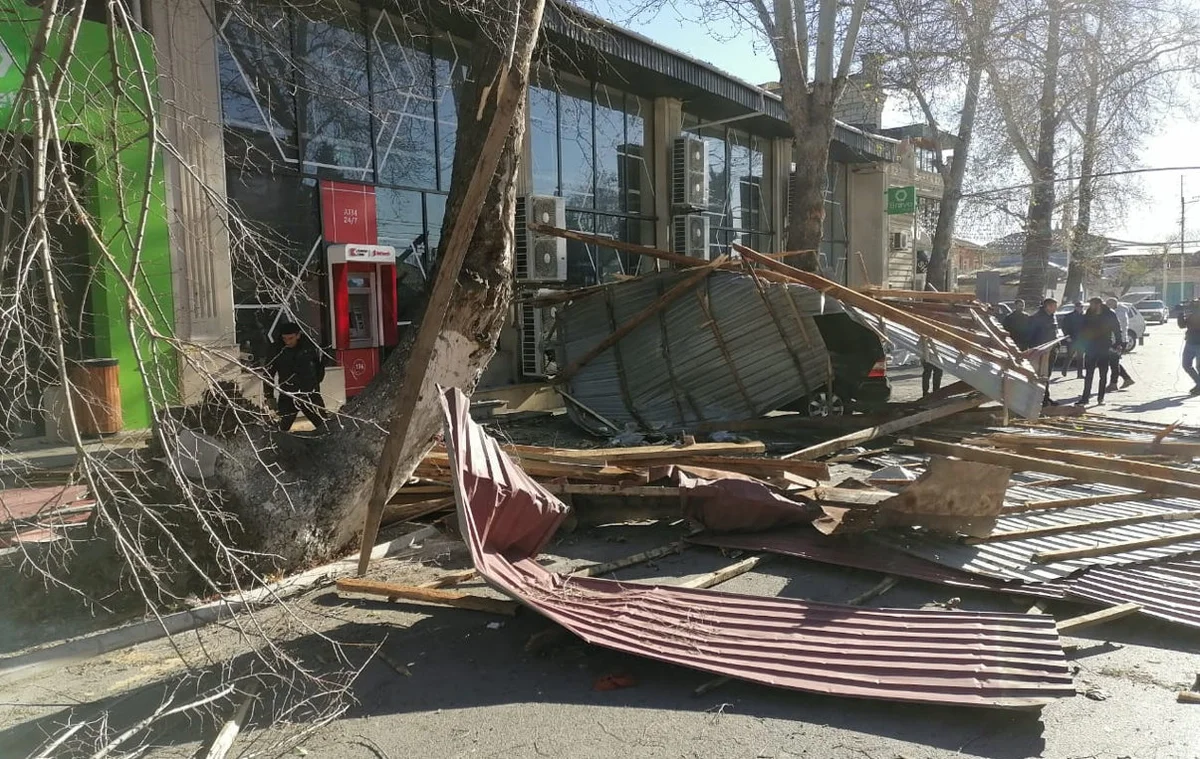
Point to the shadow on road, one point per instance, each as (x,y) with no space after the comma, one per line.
(1155,405)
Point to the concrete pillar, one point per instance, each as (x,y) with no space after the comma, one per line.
(190,89)
(779,172)
(668,124)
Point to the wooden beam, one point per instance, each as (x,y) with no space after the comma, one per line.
(629,491)
(1108,549)
(1080,527)
(595,570)
(726,573)
(455,598)
(929,295)
(637,453)
(666,299)
(1091,444)
(1074,624)
(886,584)
(1066,503)
(885,310)
(510,91)
(627,247)
(1019,463)
(1143,468)
(887,428)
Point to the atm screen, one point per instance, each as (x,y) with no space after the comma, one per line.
(360,321)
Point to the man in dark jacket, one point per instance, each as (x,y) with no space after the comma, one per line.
(1189,319)
(1099,333)
(297,369)
(1071,324)
(1016,325)
(1042,329)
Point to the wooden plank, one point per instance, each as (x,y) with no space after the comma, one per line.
(1108,549)
(454,578)
(509,94)
(1079,527)
(455,598)
(642,453)
(886,584)
(887,428)
(1018,463)
(628,491)
(626,247)
(927,295)
(635,321)
(407,512)
(1142,468)
(1091,444)
(1066,503)
(725,573)
(1188,697)
(588,410)
(885,310)
(595,570)
(755,466)
(1074,624)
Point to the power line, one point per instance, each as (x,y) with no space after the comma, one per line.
(1028,185)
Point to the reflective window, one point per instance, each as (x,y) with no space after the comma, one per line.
(403,83)
(610,149)
(577,141)
(738,186)
(450,76)
(543,140)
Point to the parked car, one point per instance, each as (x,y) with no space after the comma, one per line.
(1137,326)
(1153,311)
(860,380)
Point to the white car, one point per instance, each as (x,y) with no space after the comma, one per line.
(1137,326)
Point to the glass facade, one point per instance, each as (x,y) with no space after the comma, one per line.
(590,145)
(341,94)
(836,237)
(739,186)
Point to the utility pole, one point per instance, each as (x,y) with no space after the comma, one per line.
(1182,235)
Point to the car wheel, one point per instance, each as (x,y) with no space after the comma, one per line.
(1131,342)
(824,403)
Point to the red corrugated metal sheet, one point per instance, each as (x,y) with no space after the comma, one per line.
(968,658)
(1169,590)
(861,553)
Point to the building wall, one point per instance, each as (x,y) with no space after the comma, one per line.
(869,226)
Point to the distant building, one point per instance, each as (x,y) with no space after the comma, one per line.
(967,257)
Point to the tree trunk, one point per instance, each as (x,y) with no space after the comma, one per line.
(943,236)
(811,117)
(1038,230)
(1082,248)
(314,508)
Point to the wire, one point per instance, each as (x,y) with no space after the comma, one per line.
(1127,172)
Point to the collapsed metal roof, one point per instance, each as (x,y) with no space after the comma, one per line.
(930,656)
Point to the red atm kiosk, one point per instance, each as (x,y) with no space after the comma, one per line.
(362,282)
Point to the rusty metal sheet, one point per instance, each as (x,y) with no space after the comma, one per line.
(1168,590)
(961,657)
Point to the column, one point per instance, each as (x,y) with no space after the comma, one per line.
(781,171)
(668,124)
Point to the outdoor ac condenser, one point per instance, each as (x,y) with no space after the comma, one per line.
(690,235)
(689,173)
(537,323)
(540,257)
(901,241)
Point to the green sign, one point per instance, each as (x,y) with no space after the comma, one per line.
(12,73)
(901,200)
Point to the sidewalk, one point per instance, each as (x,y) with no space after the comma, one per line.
(27,454)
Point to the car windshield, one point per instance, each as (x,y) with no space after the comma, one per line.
(1151,304)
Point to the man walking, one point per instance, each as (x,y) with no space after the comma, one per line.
(930,373)
(1071,324)
(299,369)
(1189,319)
(1016,325)
(1042,329)
(1100,331)
(1116,371)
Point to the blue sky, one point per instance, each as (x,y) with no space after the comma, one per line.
(1171,144)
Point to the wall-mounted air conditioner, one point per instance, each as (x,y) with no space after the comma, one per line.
(689,173)
(791,193)
(537,329)
(689,236)
(540,257)
(901,241)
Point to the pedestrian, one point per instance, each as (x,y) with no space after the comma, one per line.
(296,370)
(1071,323)
(1099,333)
(1115,370)
(1189,319)
(1016,324)
(930,374)
(1042,329)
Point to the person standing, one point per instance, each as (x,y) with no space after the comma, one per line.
(296,369)
(1116,371)
(1100,331)
(1189,319)
(1016,325)
(1042,329)
(930,374)
(1071,324)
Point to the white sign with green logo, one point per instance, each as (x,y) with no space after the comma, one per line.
(901,200)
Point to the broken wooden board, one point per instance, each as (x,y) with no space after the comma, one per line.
(457,599)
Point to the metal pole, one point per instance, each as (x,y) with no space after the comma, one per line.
(1182,235)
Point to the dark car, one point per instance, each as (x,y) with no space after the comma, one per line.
(860,380)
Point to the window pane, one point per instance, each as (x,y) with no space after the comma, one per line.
(758,200)
(718,177)
(334,96)
(637,179)
(435,213)
(543,136)
(277,227)
(401,223)
(741,205)
(451,75)
(402,78)
(582,267)
(578,169)
(610,148)
(258,101)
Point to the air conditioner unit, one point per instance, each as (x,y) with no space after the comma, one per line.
(537,329)
(690,236)
(901,241)
(540,257)
(791,193)
(689,173)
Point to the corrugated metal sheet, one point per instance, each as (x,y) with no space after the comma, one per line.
(1018,392)
(961,657)
(1169,591)
(672,370)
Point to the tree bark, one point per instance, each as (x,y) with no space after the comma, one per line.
(1038,226)
(811,118)
(1082,247)
(943,236)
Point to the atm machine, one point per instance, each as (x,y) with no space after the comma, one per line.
(362,313)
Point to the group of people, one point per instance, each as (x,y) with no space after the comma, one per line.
(1096,336)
